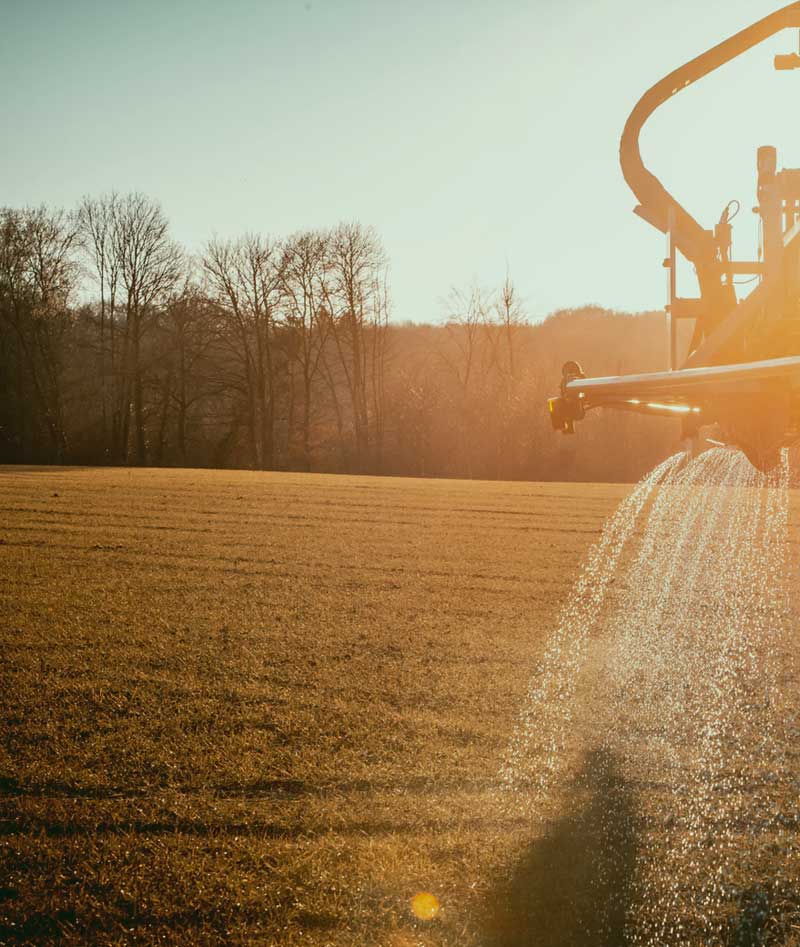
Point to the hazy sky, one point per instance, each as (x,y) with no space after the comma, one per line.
(474,136)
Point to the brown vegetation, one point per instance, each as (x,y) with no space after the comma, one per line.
(116,348)
(244,707)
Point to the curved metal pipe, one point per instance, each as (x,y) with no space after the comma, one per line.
(656,204)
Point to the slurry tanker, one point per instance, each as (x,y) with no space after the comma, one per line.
(740,368)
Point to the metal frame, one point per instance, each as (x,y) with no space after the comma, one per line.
(732,354)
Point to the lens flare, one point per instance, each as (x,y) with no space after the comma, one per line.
(425,905)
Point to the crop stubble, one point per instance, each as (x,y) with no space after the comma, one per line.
(268,708)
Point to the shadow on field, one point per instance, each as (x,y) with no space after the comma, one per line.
(766,915)
(571,888)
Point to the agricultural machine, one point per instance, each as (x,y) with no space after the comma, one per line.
(741,369)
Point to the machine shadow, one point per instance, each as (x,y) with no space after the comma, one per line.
(572,887)
(767,914)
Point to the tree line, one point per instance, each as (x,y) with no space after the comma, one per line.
(117,347)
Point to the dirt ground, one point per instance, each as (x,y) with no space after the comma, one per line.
(262,708)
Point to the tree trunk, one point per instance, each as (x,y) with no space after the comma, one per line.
(181,422)
(166,393)
(138,397)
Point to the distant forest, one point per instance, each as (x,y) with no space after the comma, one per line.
(116,347)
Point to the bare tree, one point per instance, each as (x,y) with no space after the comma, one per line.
(193,375)
(510,316)
(503,319)
(246,282)
(97,220)
(466,315)
(358,303)
(149,263)
(137,266)
(466,356)
(378,359)
(306,289)
(38,273)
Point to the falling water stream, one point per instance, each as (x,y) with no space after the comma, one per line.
(672,664)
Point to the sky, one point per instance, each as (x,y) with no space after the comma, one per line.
(478,138)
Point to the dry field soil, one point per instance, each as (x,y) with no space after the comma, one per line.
(263,708)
